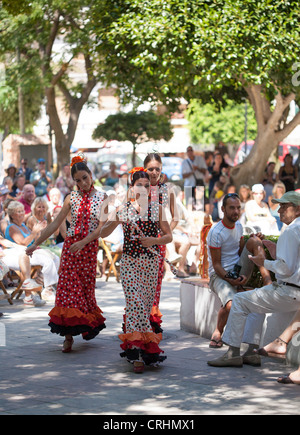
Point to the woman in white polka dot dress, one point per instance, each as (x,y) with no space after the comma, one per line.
(143,222)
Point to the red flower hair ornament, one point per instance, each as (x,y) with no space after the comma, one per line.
(134,170)
(78,159)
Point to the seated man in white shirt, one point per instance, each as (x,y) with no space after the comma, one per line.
(227,251)
(280,296)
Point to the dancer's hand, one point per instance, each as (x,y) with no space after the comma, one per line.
(77,247)
(147,242)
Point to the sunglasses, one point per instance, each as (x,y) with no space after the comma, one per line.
(231,195)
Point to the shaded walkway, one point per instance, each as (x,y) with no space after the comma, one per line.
(36,378)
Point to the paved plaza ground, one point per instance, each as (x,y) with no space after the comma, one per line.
(36,378)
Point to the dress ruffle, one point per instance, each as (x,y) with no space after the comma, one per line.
(144,344)
(71,321)
(156,319)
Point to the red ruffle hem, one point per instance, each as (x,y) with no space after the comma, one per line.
(71,321)
(144,344)
(155,319)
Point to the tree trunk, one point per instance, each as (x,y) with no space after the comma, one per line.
(272,128)
(63,155)
(251,171)
(63,141)
(20,101)
(133,159)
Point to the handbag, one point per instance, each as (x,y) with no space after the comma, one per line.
(3,270)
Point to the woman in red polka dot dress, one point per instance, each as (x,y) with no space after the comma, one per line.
(76,311)
(142,223)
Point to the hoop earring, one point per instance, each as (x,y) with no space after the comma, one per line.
(131,197)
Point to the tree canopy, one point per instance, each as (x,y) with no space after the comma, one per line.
(136,127)
(214,51)
(209,124)
(55,42)
(160,51)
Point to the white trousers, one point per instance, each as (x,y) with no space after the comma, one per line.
(41,257)
(272,298)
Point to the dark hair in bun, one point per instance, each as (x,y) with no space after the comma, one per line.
(137,175)
(80,166)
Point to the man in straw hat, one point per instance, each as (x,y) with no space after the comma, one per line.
(280,296)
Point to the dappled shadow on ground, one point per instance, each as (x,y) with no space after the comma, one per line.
(36,378)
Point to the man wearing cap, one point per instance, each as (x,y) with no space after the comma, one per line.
(41,178)
(280,296)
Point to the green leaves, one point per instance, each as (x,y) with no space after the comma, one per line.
(198,46)
(134,127)
(210,125)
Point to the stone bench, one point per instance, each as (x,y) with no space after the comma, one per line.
(293,352)
(199,311)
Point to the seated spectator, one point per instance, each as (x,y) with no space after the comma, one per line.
(222,149)
(40,213)
(257,212)
(228,189)
(17,232)
(110,178)
(215,196)
(116,239)
(281,296)
(9,183)
(277,193)
(5,221)
(226,252)
(209,158)
(269,180)
(11,172)
(65,182)
(18,187)
(55,199)
(288,173)
(278,347)
(218,169)
(25,170)
(179,248)
(41,178)
(121,193)
(27,198)
(292,378)
(15,258)
(245,196)
(3,196)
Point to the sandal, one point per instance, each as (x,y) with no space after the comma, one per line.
(264,353)
(67,345)
(138,367)
(217,345)
(182,275)
(286,380)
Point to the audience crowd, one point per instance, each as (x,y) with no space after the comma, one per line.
(206,182)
